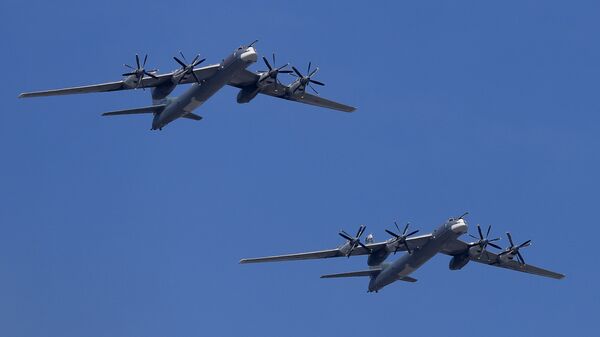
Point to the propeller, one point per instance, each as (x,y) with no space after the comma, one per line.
(307,80)
(483,242)
(354,241)
(273,72)
(401,238)
(188,68)
(515,249)
(139,72)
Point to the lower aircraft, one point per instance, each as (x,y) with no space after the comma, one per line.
(206,81)
(419,249)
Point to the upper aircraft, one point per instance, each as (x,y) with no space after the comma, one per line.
(419,249)
(206,82)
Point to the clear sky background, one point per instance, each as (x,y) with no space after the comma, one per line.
(108,229)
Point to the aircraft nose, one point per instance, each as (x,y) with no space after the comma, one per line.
(249,55)
(459,227)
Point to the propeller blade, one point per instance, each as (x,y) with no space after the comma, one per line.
(297,72)
(488,231)
(346,236)
(128,66)
(492,240)
(267,63)
(464,215)
(137,60)
(145,59)
(317,82)
(480,233)
(195,77)
(150,74)
(473,236)
(180,62)
(392,233)
(412,233)
(405,229)
(274,59)
(361,230)
(182,56)
(510,239)
(520,257)
(407,248)
(309,64)
(313,72)
(286,72)
(524,244)
(494,245)
(198,62)
(128,74)
(365,247)
(313,89)
(252,44)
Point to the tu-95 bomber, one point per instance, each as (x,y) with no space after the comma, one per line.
(418,250)
(206,81)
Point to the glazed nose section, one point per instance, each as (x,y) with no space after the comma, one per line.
(459,227)
(249,55)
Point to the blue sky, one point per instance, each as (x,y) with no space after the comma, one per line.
(109,229)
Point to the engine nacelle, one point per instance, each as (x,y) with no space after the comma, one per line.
(458,262)
(247,94)
(377,257)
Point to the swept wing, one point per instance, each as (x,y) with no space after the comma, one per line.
(246,78)
(413,243)
(457,247)
(146,82)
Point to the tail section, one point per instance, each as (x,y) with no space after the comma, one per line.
(370,272)
(145,110)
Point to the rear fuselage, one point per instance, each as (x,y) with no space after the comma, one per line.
(408,263)
(200,92)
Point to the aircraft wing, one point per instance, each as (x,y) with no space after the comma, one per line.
(320,254)
(247,78)
(491,259)
(146,82)
(413,242)
(309,99)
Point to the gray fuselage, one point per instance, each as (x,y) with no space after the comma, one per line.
(408,263)
(199,93)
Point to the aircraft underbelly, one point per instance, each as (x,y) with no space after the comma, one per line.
(408,263)
(200,93)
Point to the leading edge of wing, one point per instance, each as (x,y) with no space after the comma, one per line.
(322,254)
(309,99)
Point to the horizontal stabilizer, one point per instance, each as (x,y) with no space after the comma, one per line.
(190,115)
(407,279)
(369,272)
(144,110)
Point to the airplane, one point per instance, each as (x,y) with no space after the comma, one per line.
(206,81)
(419,249)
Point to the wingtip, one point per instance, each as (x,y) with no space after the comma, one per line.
(22,95)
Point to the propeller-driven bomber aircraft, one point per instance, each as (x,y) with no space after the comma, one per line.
(419,249)
(206,82)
